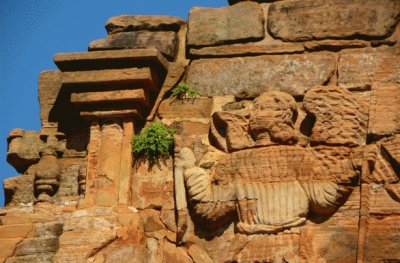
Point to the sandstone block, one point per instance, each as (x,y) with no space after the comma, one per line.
(305,20)
(132,95)
(191,108)
(341,117)
(329,244)
(8,246)
(152,185)
(270,248)
(173,254)
(40,257)
(107,76)
(215,26)
(49,87)
(256,48)
(384,118)
(125,23)
(268,45)
(334,44)
(107,59)
(15,231)
(382,237)
(360,69)
(190,128)
(250,76)
(166,42)
(19,189)
(31,246)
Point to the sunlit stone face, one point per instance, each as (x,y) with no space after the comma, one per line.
(272,119)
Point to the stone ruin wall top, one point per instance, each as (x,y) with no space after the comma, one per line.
(290,153)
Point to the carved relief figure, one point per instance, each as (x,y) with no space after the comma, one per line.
(270,186)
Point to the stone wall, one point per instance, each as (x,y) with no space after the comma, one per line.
(289,154)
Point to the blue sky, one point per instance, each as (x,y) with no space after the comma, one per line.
(32,31)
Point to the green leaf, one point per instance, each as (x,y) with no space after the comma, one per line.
(153,141)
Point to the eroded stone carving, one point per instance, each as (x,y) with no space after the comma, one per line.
(48,171)
(270,187)
(341,116)
(272,119)
(47,175)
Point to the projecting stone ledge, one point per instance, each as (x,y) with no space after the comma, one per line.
(112,84)
(306,20)
(166,42)
(109,59)
(109,76)
(126,23)
(250,76)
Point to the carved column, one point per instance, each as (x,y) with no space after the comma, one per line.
(112,90)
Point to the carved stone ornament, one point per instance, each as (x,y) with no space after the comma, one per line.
(271,187)
(47,175)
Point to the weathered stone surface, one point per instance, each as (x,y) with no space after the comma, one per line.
(23,149)
(8,246)
(186,108)
(334,45)
(19,190)
(40,257)
(37,245)
(305,20)
(107,76)
(135,95)
(250,76)
(362,68)
(384,116)
(250,179)
(265,46)
(166,42)
(215,26)
(262,177)
(270,248)
(126,23)
(108,59)
(268,45)
(341,117)
(49,87)
(272,119)
(175,254)
(336,161)
(392,147)
(175,73)
(232,2)
(235,126)
(383,232)
(333,244)
(152,185)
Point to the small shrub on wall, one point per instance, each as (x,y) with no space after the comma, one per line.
(153,142)
(184,91)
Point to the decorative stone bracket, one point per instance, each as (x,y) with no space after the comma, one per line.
(112,90)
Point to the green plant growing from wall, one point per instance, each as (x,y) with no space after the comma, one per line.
(153,142)
(184,91)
